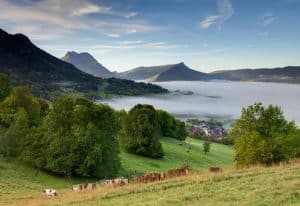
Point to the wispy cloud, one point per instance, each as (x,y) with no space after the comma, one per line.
(54,19)
(117,46)
(225,11)
(268,18)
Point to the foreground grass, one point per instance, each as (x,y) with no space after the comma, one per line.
(176,155)
(278,185)
(18,181)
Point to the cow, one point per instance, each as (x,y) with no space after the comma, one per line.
(77,188)
(215,169)
(116,182)
(177,172)
(50,192)
(83,187)
(151,177)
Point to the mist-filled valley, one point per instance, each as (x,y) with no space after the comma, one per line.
(217,99)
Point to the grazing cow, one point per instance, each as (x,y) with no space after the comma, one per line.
(177,172)
(215,169)
(50,192)
(151,177)
(77,188)
(82,187)
(116,182)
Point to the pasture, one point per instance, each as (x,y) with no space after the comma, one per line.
(19,182)
(277,185)
(190,152)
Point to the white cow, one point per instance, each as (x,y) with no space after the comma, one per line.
(49,192)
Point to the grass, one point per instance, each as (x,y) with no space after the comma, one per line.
(176,155)
(19,182)
(278,185)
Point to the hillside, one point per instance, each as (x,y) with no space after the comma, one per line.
(26,64)
(176,155)
(88,64)
(286,75)
(18,182)
(143,73)
(276,186)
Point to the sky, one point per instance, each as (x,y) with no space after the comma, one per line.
(206,35)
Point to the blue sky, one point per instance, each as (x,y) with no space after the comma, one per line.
(207,35)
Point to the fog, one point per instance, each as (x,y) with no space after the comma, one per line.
(221,100)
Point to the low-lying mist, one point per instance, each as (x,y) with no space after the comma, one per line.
(220,100)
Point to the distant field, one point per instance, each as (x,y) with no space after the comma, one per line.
(176,155)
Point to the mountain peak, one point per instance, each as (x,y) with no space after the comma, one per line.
(87,63)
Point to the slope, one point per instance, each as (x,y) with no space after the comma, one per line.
(26,64)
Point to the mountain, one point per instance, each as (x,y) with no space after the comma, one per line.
(26,64)
(171,72)
(290,74)
(87,63)
(180,72)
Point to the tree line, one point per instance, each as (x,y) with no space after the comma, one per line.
(76,136)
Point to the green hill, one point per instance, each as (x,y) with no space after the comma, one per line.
(276,186)
(176,155)
(19,182)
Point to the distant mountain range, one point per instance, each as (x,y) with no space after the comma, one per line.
(87,63)
(26,64)
(181,72)
(172,72)
(289,74)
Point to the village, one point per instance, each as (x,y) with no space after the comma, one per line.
(212,129)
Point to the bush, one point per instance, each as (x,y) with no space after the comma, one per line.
(206,146)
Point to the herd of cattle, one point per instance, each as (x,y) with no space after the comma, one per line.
(146,178)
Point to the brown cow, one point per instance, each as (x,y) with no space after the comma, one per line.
(215,169)
(151,177)
(177,172)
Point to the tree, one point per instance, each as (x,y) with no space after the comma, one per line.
(170,126)
(141,132)
(263,136)
(12,140)
(77,137)
(206,146)
(181,132)
(4,86)
(20,97)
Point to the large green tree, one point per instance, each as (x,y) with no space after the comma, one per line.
(263,136)
(141,132)
(77,137)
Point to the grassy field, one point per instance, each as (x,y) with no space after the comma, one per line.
(176,155)
(20,182)
(278,185)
